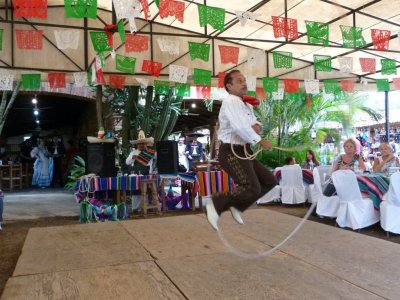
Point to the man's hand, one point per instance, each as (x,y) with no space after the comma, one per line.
(267,145)
(257,128)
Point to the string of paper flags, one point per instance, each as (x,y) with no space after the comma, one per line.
(102,41)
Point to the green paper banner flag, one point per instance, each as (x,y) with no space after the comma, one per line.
(332,86)
(100,41)
(352,37)
(214,16)
(125,64)
(80,8)
(270,84)
(388,66)
(1,39)
(121,30)
(30,81)
(383,85)
(161,87)
(182,89)
(157,2)
(202,77)
(199,50)
(323,63)
(282,60)
(293,96)
(317,33)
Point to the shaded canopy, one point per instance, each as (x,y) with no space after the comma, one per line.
(256,34)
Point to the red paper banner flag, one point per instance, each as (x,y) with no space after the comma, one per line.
(56,80)
(203,91)
(152,67)
(261,94)
(285,27)
(347,85)
(368,65)
(30,9)
(29,39)
(396,83)
(145,6)
(380,39)
(117,82)
(136,43)
(221,78)
(229,54)
(291,85)
(172,8)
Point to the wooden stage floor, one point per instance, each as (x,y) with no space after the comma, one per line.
(182,258)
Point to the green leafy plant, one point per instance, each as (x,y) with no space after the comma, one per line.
(76,172)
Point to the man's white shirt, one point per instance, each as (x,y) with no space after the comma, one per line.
(235,121)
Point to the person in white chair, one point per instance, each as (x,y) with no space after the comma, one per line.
(387,159)
(347,161)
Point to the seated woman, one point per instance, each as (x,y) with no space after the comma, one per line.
(387,159)
(345,161)
(310,162)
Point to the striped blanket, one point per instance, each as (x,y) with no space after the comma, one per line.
(122,183)
(308,177)
(215,182)
(374,186)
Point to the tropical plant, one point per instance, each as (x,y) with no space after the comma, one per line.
(290,122)
(5,106)
(76,172)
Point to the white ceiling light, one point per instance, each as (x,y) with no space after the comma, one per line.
(37,121)
(35,112)
(34,100)
(193,105)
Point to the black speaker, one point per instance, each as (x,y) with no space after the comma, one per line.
(100,159)
(167,157)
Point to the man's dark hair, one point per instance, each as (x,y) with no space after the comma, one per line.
(288,160)
(228,78)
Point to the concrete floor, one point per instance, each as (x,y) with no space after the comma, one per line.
(183,258)
(39,203)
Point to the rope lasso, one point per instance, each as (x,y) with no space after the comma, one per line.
(226,243)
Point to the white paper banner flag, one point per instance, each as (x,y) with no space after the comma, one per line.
(126,9)
(178,73)
(312,86)
(251,83)
(345,64)
(81,79)
(170,46)
(67,39)
(132,25)
(143,82)
(278,95)
(255,57)
(6,82)
(93,79)
(243,16)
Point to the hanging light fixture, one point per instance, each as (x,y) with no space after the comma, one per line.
(34,100)
(36,112)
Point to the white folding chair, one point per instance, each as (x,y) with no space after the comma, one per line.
(390,207)
(273,195)
(354,211)
(326,206)
(292,187)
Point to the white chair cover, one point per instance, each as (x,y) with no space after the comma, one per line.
(326,206)
(292,187)
(354,211)
(273,195)
(390,209)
